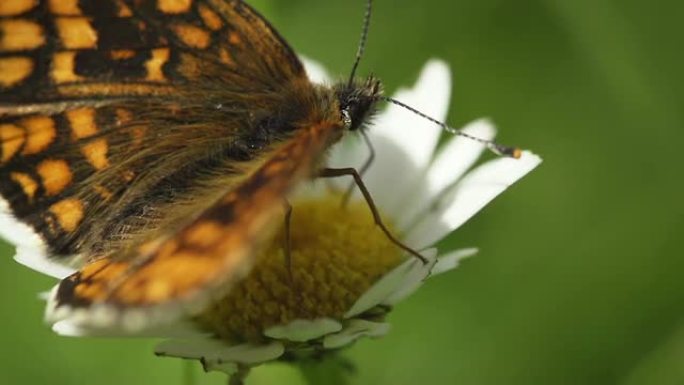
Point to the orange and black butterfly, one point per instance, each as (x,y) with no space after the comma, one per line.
(152,145)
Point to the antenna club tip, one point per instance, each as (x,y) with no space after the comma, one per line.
(511,152)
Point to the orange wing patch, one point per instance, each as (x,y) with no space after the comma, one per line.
(193,36)
(28,185)
(69,214)
(12,137)
(123,9)
(83,125)
(64,7)
(33,134)
(76,32)
(160,56)
(82,122)
(64,67)
(95,153)
(40,133)
(210,18)
(55,175)
(16,7)
(174,6)
(20,35)
(14,70)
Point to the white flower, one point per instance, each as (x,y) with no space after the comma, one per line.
(425,193)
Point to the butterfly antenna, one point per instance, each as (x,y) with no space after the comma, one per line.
(501,150)
(362,43)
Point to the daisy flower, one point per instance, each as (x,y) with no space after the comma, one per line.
(345,274)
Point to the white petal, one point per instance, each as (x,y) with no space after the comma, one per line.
(219,351)
(356,329)
(412,281)
(452,161)
(315,70)
(190,348)
(251,354)
(301,330)
(451,260)
(459,154)
(350,152)
(229,368)
(444,263)
(404,141)
(469,196)
(407,273)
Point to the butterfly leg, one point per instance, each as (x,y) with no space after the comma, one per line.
(350,171)
(366,165)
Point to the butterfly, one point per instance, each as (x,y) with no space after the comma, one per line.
(152,145)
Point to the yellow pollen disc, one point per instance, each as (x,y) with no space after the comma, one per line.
(337,255)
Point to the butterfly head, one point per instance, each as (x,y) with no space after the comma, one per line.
(357,101)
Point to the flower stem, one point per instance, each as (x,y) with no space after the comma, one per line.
(239,377)
(330,370)
(189,372)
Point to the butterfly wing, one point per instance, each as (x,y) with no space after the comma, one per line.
(55,52)
(106,116)
(179,272)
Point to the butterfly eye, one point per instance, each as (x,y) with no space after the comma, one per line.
(347,119)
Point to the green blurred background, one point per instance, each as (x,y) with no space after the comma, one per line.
(580,276)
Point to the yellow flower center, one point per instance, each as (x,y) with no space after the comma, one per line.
(337,253)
